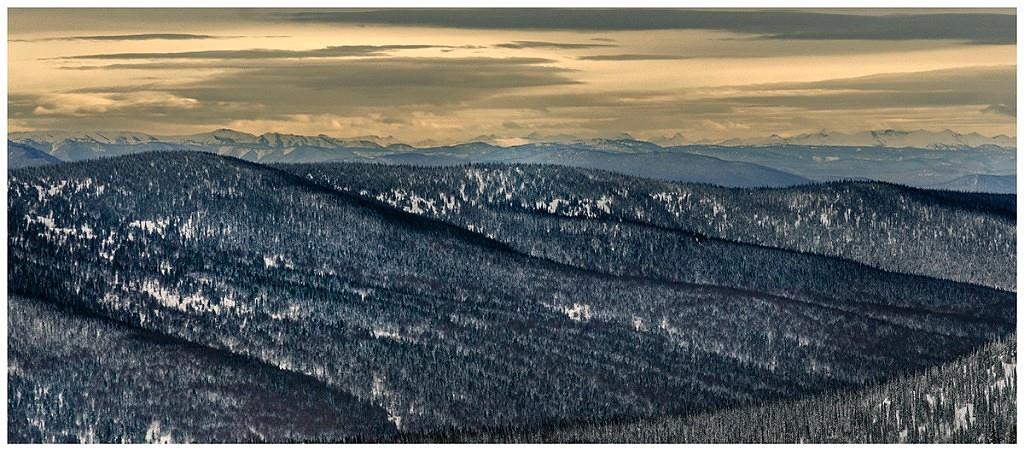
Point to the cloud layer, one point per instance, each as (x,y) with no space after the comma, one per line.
(978,27)
(326,52)
(450,75)
(130,37)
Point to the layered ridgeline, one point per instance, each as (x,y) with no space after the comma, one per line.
(983,169)
(645,227)
(23,156)
(944,160)
(435,326)
(627,156)
(898,139)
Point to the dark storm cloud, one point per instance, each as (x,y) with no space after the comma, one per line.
(131,37)
(633,57)
(550,45)
(979,28)
(249,54)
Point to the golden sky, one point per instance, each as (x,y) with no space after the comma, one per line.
(451,75)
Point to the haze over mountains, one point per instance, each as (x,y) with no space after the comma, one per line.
(923,139)
(928,139)
(942,160)
(22,156)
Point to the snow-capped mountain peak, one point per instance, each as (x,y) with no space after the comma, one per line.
(102,137)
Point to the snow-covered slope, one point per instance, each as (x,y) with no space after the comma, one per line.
(105,137)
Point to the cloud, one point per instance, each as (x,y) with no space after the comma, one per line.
(83,104)
(273,89)
(330,85)
(1001,108)
(974,27)
(941,88)
(450,88)
(396,89)
(245,64)
(632,57)
(249,54)
(131,37)
(550,45)
(998,78)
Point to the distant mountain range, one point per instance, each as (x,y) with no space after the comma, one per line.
(924,168)
(627,156)
(221,136)
(942,160)
(981,183)
(922,139)
(23,156)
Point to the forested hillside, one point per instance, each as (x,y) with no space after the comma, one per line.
(77,378)
(969,400)
(939,234)
(462,322)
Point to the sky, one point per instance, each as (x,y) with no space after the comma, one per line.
(452,75)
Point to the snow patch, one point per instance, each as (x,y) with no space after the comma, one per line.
(151,226)
(155,435)
(194,302)
(963,417)
(604,204)
(380,332)
(638,323)
(578,312)
(362,292)
(277,261)
(162,295)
